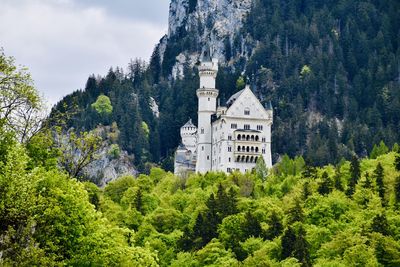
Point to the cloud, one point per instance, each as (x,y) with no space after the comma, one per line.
(63,42)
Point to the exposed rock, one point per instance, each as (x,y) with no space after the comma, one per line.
(107,168)
(214,22)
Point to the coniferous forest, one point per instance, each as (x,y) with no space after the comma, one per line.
(332,72)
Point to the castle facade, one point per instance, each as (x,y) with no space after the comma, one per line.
(230,137)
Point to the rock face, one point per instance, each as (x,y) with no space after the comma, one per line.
(214,23)
(107,168)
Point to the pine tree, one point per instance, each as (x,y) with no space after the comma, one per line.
(397,163)
(252,226)
(295,213)
(379,175)
(139,201)
(326,185)
(397,190)
(309,172)
(275,226)
(300,250)
(380,224)
(338,180)
(288,242)
(306,190)
(355,175)
(368,182)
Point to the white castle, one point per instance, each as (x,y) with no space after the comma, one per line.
(228,138)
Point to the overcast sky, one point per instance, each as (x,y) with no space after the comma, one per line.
(62,42)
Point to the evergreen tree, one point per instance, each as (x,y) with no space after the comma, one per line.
(301,246)
(397,190)
(355,175)
(338,180)
(295,213)
(379,176)
(306,190)
(380,224)
(326,186)
(397,163)
(252,226)
(368,182)
(310,172)
(139,201)
(288,241)
(275,226)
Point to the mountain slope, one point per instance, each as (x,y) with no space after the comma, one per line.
(331,70)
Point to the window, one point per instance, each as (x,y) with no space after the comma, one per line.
(247,126)
(208,99)
(202,130)
(229,170)
(229,159)
(263,139)
(259,127)
(233,126)
(246,111)
(229,149)
(263,151)
(202,148)
(229,137)
(208,157)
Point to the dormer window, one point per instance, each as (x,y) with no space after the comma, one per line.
(246,111)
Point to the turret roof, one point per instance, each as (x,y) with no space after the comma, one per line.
(189,124)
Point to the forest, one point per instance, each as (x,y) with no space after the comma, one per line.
(294,214)
(332,72)
(330,68)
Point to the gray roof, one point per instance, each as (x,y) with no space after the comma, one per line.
(233,98)
(189,124)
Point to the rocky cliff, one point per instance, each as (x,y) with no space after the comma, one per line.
(210,24)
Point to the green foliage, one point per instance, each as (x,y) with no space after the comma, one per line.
(21,108)
(103,105)
(162,220)
(116,189)
(378,150)
(397,163)
(240,83)
(355,175)
(379,176)
(114,151)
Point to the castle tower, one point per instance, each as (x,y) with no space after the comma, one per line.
(207,95)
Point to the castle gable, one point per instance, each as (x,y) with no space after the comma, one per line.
(246,105)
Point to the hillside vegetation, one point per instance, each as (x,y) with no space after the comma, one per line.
(293,215)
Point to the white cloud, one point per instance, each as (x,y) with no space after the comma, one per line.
(62,43)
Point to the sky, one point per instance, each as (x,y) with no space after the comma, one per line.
(63,42)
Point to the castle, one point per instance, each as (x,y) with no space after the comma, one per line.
(228,138)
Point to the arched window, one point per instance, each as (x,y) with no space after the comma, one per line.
(243,148)
(255,160)
(252,138)
(238,137)
(243,137)
(257,138)
(251,159)
(252,149)
(248,138)
(247,159)
(256,149)
(239,148)
(243,158)
(238,159)
(248,149)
